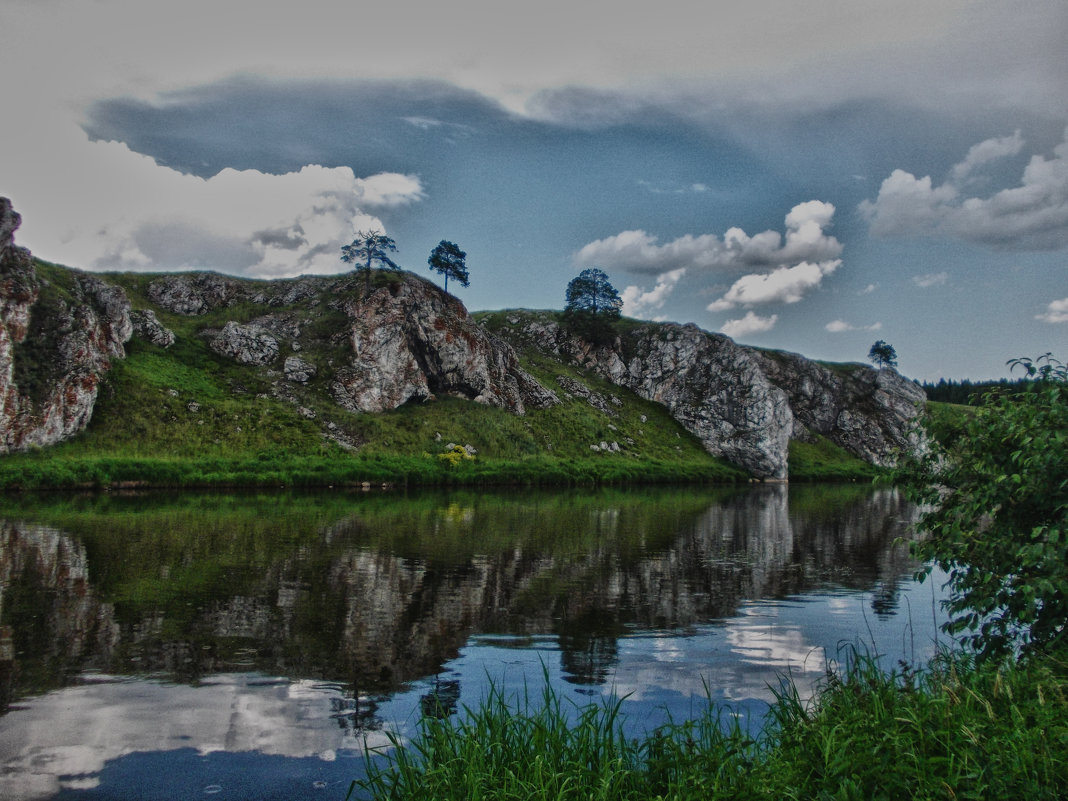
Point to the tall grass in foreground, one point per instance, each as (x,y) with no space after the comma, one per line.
(952,731)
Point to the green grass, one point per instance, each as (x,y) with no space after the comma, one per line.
(951,731)
(822,460)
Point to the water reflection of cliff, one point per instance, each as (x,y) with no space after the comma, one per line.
(390,589)
(55,623)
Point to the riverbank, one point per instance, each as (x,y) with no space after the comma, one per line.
(952,730)
(50,470)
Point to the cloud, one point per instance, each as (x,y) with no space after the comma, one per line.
(110,208)
(696,188)
(785,285)
(638,303)
(388,190)
(750,324)
(840,326)
(868,289)
(640,252)
(1056,312)
(928,280)
(984,153)
(1030,216)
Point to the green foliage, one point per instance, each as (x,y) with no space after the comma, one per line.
(456,455)
(822,460)
(448,260)
(592,306)
(955,730)
(998,519)
(883,354)
(35,367)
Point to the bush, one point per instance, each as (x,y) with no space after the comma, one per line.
(998,519)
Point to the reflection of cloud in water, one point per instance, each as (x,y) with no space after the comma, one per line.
(744,659)
(89,725)
(774,645)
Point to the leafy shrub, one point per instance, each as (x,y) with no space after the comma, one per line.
(456,455)
(998,519)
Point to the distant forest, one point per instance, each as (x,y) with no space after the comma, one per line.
(970,392)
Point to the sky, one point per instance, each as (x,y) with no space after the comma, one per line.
(801,176)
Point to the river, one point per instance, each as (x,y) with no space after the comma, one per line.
(250,646)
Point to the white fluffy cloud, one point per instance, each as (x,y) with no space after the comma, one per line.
(785,285)
(750,324)
(640,252)
(840,326)
(637,302)
(1056,312)
(101,206)
(1030,216)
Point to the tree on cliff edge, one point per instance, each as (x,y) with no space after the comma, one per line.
(368,248)
(592,305)
(448,260)
(883,354)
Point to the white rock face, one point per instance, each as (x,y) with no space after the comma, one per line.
(709,384)
(411,342)
(743,404)
(871,413)
(196,293)
(298,371)
(248,344)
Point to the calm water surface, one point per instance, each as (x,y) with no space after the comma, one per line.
(250,646)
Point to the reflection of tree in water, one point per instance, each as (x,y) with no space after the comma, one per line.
(355,714)
(885,598)
(443,700)
(589,647)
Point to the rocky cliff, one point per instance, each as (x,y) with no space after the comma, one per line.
(744,404)
(56,342)
(871,413)
(404,341)
(712,386)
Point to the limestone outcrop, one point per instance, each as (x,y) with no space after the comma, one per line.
(712,386)
(56,343)
(248,344)
(196,293)
(744,404)
(410,342)
(148,327)
(869,412)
